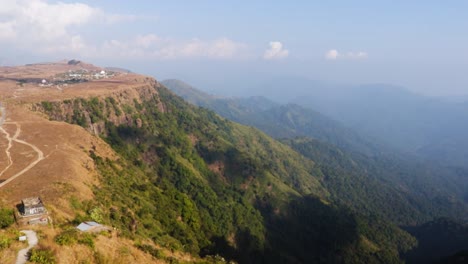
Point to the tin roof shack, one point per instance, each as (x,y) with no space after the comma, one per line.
(92,227)
(32,211)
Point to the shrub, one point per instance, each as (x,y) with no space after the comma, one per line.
(87,239)
(47,106)
(75,203)
(5,242)
(67,237)
(96,214)
(6,217)
(42,256)
(152,251)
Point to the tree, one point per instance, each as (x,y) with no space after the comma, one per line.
(6,217)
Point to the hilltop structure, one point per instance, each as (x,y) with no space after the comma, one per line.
(32,206)
(32,211)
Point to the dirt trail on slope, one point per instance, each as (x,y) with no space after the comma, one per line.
(40,154)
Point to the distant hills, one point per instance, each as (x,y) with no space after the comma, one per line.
(277,120)
(428,127)
(431,128)
(369,177)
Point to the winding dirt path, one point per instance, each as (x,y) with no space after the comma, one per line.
(7,150)
(40,154)
(22,257)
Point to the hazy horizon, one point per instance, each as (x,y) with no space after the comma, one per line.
(418,46)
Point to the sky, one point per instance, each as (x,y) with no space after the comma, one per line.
(421,45)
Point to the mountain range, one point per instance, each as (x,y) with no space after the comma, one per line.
(429,127)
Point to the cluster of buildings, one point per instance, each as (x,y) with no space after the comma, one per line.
(84,74)
(76,76)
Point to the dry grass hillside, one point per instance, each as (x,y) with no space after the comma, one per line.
(50,159)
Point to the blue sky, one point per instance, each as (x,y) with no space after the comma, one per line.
(422,45)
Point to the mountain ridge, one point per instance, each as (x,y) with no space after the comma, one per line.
(262,113)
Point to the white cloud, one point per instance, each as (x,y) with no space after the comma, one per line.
(50,27)
(145,41)
(39,21)
(226,48)
(357,55)
(334,54)
(154,47)
(45,27)
(218,48)
(275,51)
(118,18)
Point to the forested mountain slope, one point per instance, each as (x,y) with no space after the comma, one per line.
(361,174)
(278,121)
(404,191)
(191,180)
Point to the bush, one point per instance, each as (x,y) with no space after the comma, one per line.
(6,217)
(87,239)
(96,214)
(152,251)
(75,203)
(67,238)
(5,242)
(47,106)
(42,256)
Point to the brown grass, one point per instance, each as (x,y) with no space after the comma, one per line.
(67,170)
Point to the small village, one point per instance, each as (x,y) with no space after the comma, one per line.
(75,76)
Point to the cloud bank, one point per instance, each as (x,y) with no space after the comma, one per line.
(42,27)
(154,47)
